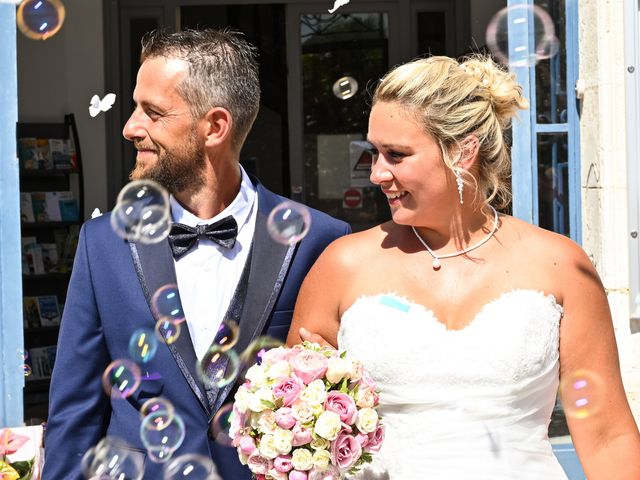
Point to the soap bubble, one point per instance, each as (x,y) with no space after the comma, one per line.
(142,212)
(288,223)
(525,31)
(40,19)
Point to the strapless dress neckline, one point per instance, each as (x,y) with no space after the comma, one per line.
(473,403)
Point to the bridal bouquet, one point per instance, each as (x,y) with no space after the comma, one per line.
(306,412)
(20,453)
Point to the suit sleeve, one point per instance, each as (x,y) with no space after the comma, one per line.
(79,409)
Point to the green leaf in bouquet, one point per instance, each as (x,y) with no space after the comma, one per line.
(344,385)
(343,354)
(268,404)
(366,457)
(24,469)
(355,390)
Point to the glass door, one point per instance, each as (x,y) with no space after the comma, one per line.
(335,60)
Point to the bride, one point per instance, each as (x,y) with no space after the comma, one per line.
(467,319)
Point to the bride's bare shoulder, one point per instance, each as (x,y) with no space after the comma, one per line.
(557,255)
(351,250)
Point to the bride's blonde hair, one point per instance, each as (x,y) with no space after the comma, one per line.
(451,101)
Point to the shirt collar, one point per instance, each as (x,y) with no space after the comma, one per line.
(240,208)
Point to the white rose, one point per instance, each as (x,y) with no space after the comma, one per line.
(315,393)
(283,439)
(321,459)
(241,399)
(256,401)
(319,443)
(356,371)
(365,398)
(256,375)
(302,459)
(268,447)
(242,457)
(263,399)
(328,425)
(267,422)
(338,369)
(279,369)
(254,419)
(274,474)
(367,420)
(234,422)
(302,412)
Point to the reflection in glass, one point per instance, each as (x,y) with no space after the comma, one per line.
(553,183)
(551,73)
(432,37)
(335,47)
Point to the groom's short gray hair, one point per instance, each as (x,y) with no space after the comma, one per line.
(223,72)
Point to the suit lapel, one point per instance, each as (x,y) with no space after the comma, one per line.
(269,265)
(155,269)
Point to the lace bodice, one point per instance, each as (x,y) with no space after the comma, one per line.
(461,404)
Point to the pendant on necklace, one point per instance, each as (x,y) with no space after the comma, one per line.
(436,264)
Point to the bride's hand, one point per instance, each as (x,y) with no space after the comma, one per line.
(307,336)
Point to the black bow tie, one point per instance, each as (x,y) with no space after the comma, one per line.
(183,237)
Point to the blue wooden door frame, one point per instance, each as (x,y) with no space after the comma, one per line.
(11,329)
(526,129)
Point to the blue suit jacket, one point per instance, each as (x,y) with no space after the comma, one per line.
(108,299)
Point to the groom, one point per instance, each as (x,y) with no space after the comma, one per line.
(197,95)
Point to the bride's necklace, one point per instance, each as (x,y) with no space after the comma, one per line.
(436,258)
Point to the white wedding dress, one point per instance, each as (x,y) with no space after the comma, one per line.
(460,404)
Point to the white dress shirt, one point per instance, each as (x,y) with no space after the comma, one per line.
(208,274)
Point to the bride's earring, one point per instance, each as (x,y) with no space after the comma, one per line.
(460,184)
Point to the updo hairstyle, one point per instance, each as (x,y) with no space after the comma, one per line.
(452,100)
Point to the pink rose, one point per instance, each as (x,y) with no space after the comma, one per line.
(375,439)
(301,435)
(288,389)
(297,475)
(282,463)
(309,365)
(343,405)
(284,418)
(345,430)
(11,442)
(275,355)
(238,421)
(345,451)
(246,445)
(258,464)
(363,439)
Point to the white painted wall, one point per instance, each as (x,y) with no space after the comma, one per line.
(59,76)
(604,171)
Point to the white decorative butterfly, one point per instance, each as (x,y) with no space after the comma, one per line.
(337,4)
(96,106)
(96,213)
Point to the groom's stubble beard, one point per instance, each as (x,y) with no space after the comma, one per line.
(179,170)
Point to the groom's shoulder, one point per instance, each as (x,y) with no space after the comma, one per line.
(321,223)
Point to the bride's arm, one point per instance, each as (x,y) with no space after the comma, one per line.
(607,440)
(317,308)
